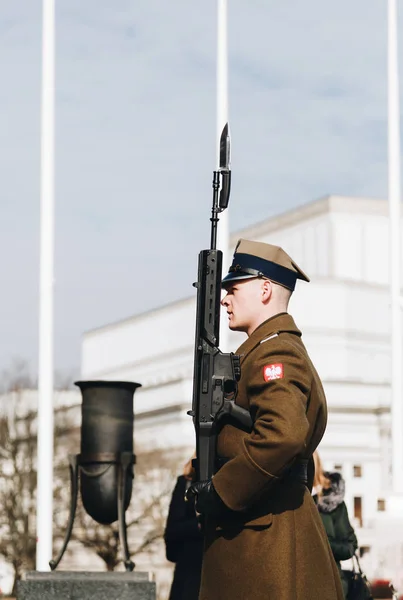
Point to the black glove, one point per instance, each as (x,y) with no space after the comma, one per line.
(207,501)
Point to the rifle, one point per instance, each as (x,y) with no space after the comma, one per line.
(215,373)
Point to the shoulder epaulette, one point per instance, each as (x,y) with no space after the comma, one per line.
(269,338)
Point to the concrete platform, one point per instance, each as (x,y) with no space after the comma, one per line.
(86,585)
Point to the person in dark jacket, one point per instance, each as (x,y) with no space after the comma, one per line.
(184,541)
(328,492)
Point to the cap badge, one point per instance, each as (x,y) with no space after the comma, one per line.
(235,268)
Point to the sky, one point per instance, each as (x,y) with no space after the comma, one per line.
(136,137)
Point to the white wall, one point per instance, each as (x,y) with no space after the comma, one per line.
(308,243)
(133,341)
(17,404)
(361,247)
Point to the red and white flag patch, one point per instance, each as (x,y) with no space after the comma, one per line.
(271,372)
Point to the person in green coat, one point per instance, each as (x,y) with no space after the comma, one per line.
(328,492)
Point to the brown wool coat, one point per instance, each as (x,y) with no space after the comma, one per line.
(274,547)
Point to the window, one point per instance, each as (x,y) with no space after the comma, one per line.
(357,471)
(381,505)
(358,509)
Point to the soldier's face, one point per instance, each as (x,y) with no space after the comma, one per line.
(243,301)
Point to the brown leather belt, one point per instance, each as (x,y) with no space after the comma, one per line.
(298,472)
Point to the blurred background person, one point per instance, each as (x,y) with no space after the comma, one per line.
(328,492)
(184,540)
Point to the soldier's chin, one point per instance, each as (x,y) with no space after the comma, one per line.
(233,326)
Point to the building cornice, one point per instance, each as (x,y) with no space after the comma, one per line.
(171,409)
(129,320)
(359,410)
(311,210)
(356,382)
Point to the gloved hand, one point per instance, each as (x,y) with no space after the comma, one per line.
(207,501)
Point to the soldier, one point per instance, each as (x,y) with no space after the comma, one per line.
(264,536)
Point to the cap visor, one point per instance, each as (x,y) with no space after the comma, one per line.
(235,277)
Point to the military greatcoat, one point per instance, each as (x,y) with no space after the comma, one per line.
(273,545)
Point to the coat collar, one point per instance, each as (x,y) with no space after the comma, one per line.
(280,323)
(333,495)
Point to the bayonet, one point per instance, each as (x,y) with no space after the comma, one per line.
(225,168)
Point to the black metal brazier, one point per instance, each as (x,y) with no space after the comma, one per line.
(105,466)
(106,432)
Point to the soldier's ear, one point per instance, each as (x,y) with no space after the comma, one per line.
(266,289)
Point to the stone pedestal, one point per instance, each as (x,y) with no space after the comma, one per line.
(85,585)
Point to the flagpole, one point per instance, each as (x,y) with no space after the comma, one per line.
(395,249)
(222,119)
(45,367)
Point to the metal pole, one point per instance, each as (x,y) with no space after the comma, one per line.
(222,119)
(395,249)
(45,376)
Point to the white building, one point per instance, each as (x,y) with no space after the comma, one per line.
(342,243)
